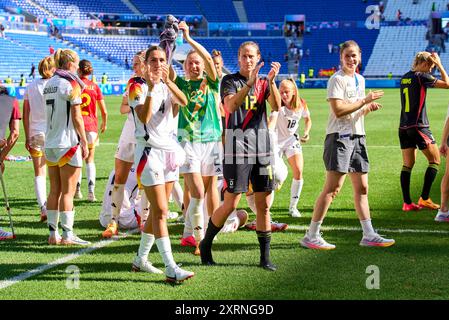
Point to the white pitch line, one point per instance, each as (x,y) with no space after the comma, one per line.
(304,228)
(98,245)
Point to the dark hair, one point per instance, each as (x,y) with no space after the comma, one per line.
(249,43)
(86,67)
(151,49)
(349,43)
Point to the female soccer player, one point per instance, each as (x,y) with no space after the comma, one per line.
(414,128)
(34,124)
(345,149)
(91,97)
(65,145)
(292,110)
(157,157)
(199,132)
(247,148)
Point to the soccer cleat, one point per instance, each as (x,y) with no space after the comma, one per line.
(442,216)
(78,194)
(54,240)
(376,241)
(111,230)
(428,204)
(43,214)
(172,215)
(278,226)
(5,235)
(177,275)
(268,266)
(91,197)
(74,240)
(316,242)
(145,266)
(251,225)
(410,207)
(188,241)
(294,213)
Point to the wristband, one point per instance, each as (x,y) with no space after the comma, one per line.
(150,94)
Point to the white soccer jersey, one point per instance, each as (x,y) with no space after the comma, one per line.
(60,96)
(349,89)
(288,122)
(158,132)
(34,93)
(127,135)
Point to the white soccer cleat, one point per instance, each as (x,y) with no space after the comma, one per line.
(78,194)
(316,242)
(54,240)
(376,240)
(294,213)
(5,235)
(176,274)
(145,266)
(442,216)
(74,240)
(91,197)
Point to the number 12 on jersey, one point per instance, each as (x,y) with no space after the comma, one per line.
(407,100)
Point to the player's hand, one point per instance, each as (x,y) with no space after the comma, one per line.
(373,106)
(2,143)
(254,74)
(443,149)
(165,73)
(435,58)
(185,30)
(84,150)
(374,95)
(148,75)
(103,127)
(305,138)
(275,67)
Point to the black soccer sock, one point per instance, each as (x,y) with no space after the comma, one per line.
(264,238)
(429,177)
(206,243)
(405,184)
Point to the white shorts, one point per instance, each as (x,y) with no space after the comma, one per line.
(62,156)
(154,166)
(125,151)
(93,139)
(37,143)
(204,158)
(127,219)
(290,147)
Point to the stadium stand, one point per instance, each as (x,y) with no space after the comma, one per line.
(418,11)
(407,41)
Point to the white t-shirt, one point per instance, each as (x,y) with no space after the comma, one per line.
(288,122)
(34,93)
(60,96)
(349,89)
(158,132)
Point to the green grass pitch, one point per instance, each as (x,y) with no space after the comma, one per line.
(412,269)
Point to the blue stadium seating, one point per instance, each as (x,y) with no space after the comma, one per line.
(163,7)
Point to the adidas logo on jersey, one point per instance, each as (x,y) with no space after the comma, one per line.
(218,170)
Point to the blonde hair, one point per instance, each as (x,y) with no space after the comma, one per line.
(351,43)
(422,56)
(296,100)
(249,43)
(184,65)
(46,66)
(64,57)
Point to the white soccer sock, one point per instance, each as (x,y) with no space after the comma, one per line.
(118,193)
(367,227)
(91,173)
(164,247)
(251,203)
(52,221)
(67,220)
(195,210)
(40,187)
(188,230)
(314,228)
(295,192)
(146,243)
(178,194)
(144,206)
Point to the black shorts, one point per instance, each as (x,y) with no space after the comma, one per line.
(415,137)
(237,177)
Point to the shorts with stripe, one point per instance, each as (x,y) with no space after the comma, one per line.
(291,146)
(345,153)
(93,140)
(62,156)
(416,137)
(203,157)
(154,166)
